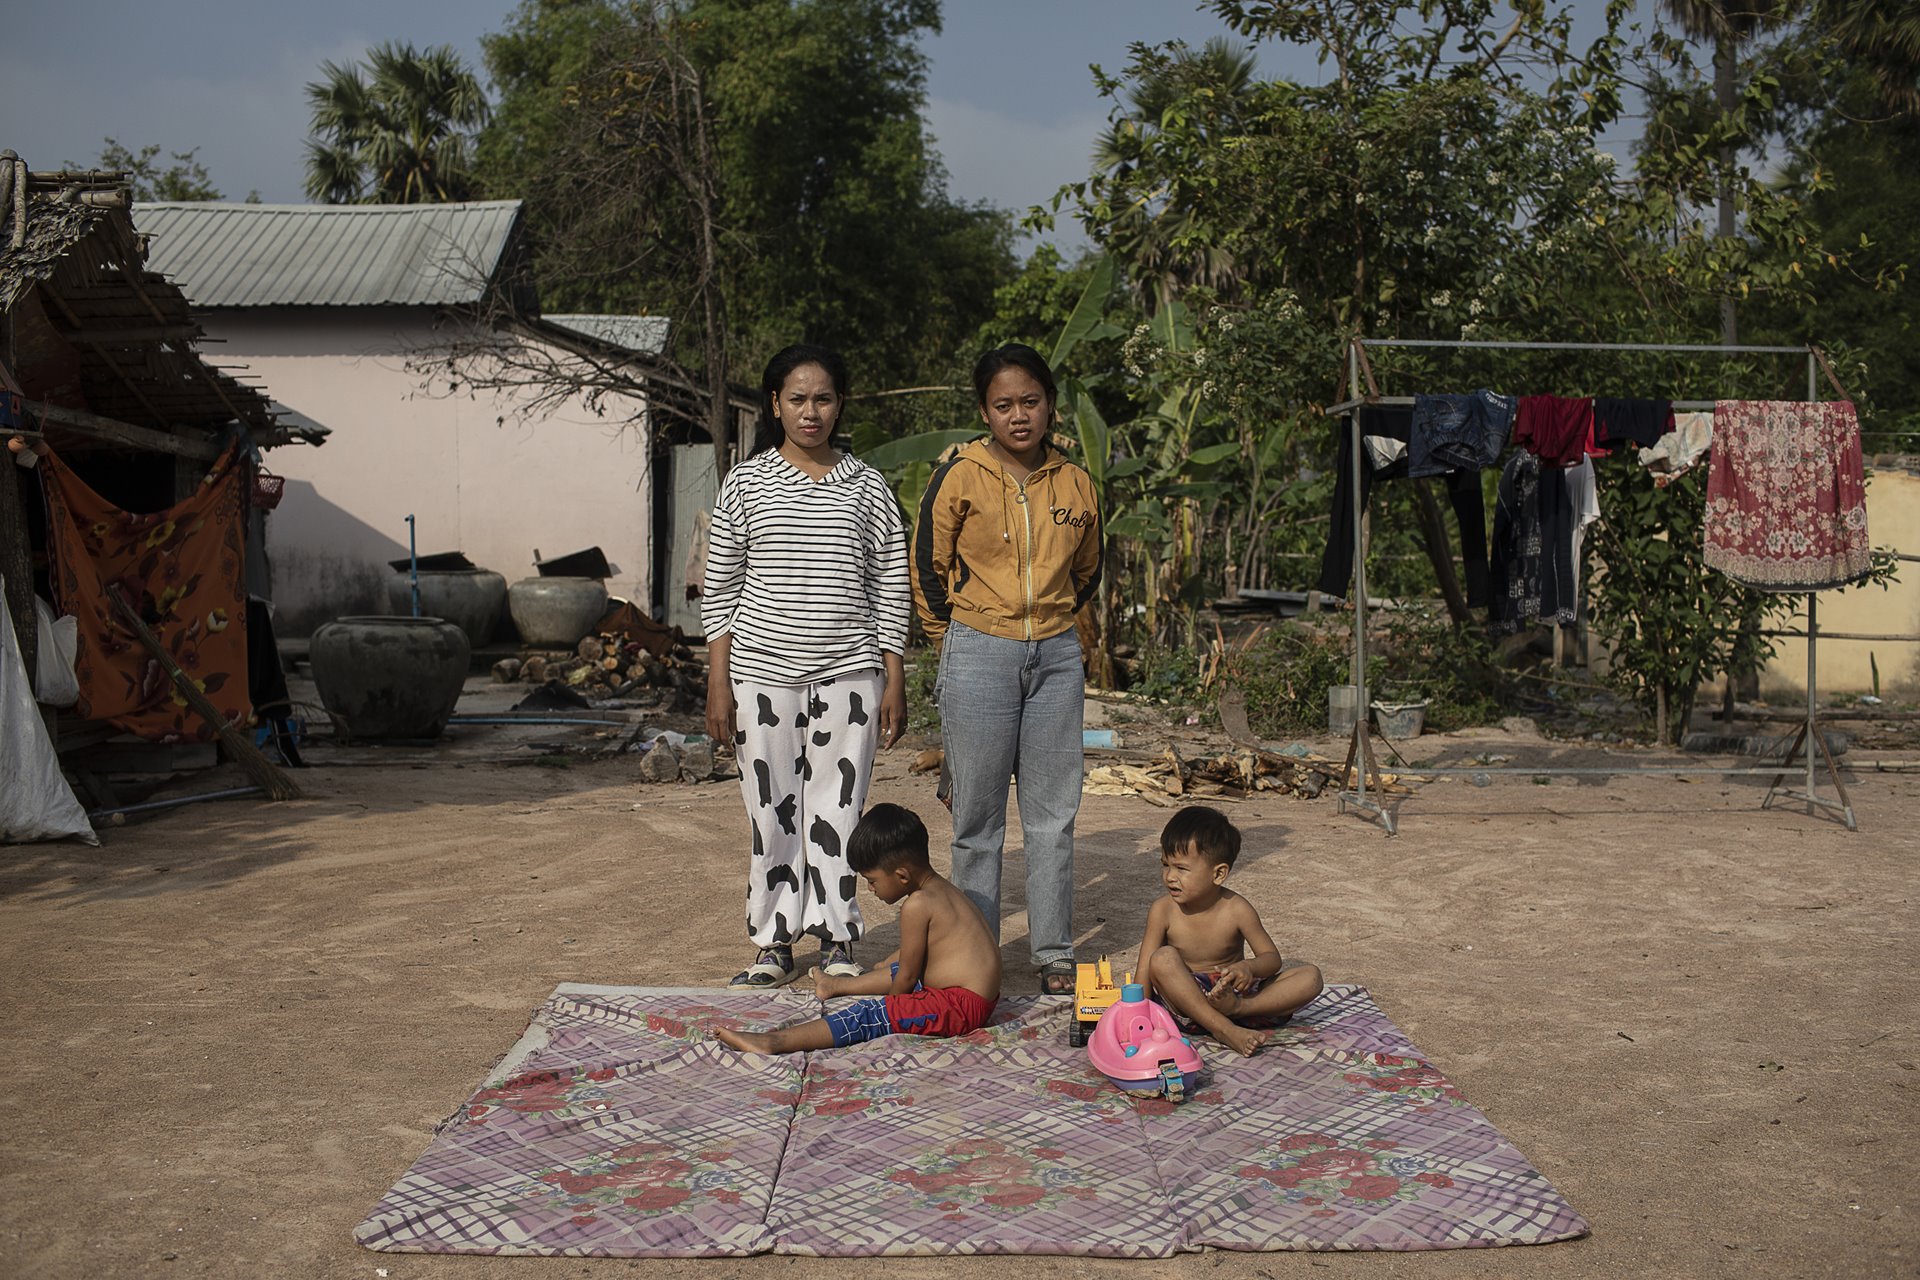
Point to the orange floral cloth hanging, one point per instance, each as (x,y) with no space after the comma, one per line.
(182,570)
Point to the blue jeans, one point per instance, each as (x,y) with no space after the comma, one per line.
(1452,432)
(1012,709)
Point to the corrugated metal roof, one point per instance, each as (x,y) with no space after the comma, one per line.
(296,255)
(646,335)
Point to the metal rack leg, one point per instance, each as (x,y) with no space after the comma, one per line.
(1360,748)
(1811,737)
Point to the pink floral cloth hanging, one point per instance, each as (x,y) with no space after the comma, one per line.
(1787,495)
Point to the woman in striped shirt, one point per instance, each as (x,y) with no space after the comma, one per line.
(805,607)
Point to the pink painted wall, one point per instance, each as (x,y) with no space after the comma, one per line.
(481,474)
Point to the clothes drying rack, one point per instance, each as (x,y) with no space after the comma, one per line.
(1357,795)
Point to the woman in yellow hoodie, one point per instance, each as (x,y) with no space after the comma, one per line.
(1006,549)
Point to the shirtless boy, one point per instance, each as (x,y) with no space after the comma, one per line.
(943,981)
(1198,936)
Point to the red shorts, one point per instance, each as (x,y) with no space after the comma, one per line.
(943,1011)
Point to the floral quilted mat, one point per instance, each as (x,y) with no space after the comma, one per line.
(619,1127)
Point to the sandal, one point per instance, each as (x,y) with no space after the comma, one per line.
(773,967)
(1058,978)
(836,960)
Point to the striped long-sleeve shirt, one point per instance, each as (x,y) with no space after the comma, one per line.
(808,576)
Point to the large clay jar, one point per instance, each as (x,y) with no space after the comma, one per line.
(553,613)
(389,677)
(471,599)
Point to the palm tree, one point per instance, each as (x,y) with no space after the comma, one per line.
(1884,37)
(399,134)
(1154,234)
(1221,64)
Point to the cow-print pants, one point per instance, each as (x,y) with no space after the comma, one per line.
(806,757)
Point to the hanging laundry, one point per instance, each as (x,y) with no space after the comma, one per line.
(1641,421)
(1383,451)
(1533,523)
(1555,429)
(1786,495)
(1583,500)
(1454,431)
(181,571)
(1676,452)
(1395,422)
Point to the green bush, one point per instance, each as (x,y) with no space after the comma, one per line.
(1168,674)
(923,668)
(1286,670)
(1285,673)
(1454,668)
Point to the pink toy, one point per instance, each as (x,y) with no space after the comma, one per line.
(1139,1047)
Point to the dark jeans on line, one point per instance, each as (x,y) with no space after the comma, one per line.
(1463,491)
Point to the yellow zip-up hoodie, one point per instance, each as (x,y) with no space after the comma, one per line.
(1010,558)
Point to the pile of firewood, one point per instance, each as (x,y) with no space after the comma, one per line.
(1168,779)
(607,666)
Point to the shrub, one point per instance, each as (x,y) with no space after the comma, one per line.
(1285,670)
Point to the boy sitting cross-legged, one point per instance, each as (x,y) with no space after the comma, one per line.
(1195,952)
(943,981)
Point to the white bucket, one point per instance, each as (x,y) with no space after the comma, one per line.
(1343,709)
(1397,720)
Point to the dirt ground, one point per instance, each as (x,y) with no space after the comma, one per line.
(233,1026)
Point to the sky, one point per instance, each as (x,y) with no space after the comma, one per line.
(227,77)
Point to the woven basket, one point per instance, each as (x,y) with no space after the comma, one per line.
(268,489)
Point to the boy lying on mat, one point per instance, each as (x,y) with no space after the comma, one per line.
(943,981)
(1195,953)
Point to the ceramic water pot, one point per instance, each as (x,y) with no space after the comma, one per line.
(389,677)
(470,599)
(553,613)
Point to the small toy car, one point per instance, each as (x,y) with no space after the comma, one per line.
(1094,992)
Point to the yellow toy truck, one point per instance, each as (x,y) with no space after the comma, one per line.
(1094,992)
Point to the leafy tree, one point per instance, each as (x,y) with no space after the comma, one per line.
(1365,196)
(553,55)
(1726,24)
(829,213)
(1444,182)
(184,179)
(631,194)
(396,131)
(1764,144)
(1259,222)
(1863,190)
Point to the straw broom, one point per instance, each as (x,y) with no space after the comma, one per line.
(264,773)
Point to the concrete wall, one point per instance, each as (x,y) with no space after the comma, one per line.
(1893,520)
(479,472)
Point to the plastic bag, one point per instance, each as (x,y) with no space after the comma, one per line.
(36,803)
(55,683)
